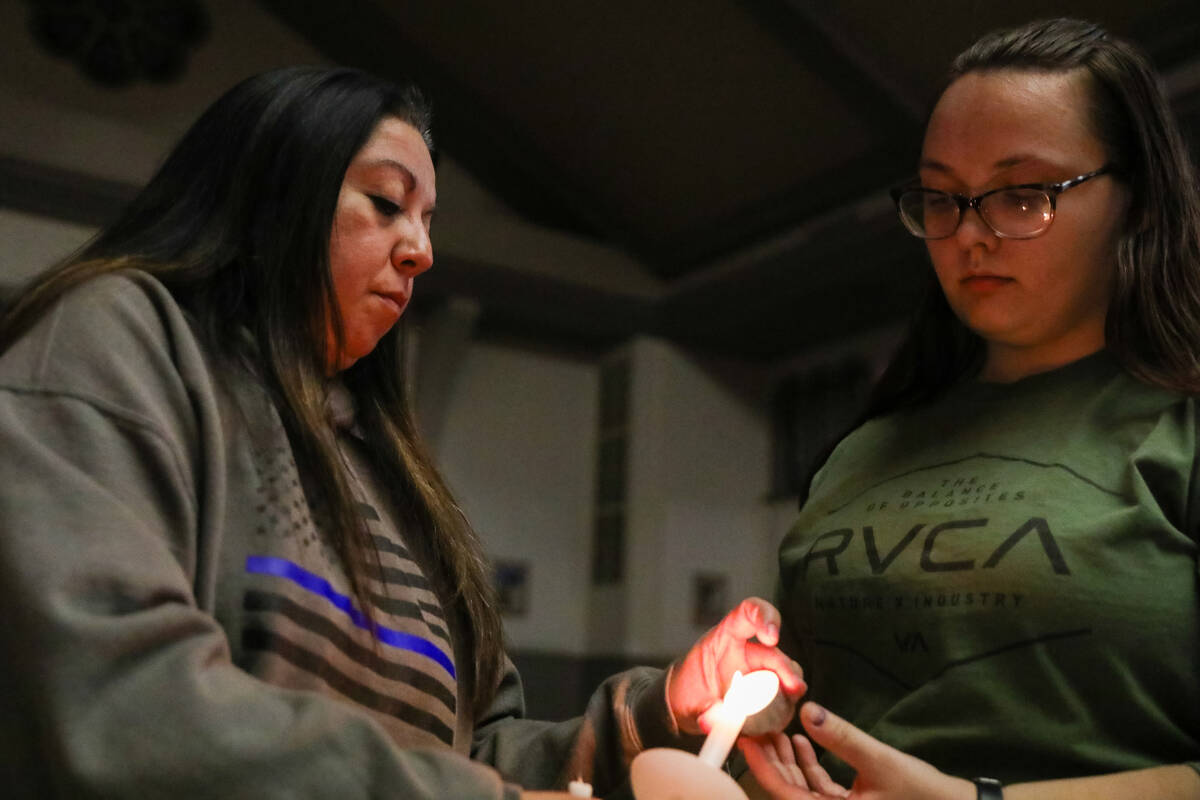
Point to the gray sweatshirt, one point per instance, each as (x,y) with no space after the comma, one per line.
(175,624)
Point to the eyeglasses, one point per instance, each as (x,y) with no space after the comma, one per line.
(1012,212)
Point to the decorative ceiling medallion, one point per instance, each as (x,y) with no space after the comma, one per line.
(118,42)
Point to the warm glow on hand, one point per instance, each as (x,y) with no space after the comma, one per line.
(746,640)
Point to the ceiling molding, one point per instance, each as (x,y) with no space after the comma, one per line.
(537,304)
(62,194)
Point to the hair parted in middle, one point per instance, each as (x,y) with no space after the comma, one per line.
(1153,322)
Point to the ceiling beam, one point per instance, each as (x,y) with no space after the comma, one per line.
(61,193)
(809,29)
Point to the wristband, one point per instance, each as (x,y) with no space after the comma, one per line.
(988,789)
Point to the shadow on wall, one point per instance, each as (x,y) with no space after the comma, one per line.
(558,686)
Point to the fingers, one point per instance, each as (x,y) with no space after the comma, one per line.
(783,750)
(858,749)
(754,618)
(778,755)
(787,761)
(744,640)
(791,676)
(816,776)
(787,773)
(781,780)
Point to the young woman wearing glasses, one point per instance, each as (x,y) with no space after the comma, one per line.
(992,586)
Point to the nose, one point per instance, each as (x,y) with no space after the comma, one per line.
(972,230)
(413,254)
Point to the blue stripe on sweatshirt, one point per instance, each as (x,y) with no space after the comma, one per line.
(282,568)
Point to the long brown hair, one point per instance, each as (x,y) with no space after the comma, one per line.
(236,224)
(1153,320)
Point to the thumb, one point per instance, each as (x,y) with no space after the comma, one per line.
(858,749)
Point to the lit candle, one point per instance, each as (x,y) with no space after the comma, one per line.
(747,695)
(577,788)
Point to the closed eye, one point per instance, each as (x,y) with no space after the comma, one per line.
(384,206)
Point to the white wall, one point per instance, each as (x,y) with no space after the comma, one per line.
(518,447)
(698,482)
(30,243)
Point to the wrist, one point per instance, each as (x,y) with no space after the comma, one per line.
(671,718)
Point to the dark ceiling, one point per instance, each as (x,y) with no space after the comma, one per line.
(739,149)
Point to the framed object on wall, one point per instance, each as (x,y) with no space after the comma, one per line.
(512,587)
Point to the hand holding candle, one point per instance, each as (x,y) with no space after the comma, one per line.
(747,694)
(741,649)
(665,774)
(744,641)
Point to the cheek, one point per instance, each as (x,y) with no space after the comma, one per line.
(1085,237)
(350,235)
(351,265)
(943,255)
(1077,261)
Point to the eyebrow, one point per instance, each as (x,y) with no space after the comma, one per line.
(1004,163)
(406,174)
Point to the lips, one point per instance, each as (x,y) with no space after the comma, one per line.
(397,300)
(985,282)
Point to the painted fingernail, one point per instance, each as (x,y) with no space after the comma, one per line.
(818,715)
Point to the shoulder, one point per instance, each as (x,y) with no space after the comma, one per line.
(122,318)
(120,342)
(1130,412)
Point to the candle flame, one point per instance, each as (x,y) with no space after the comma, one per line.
(749,694)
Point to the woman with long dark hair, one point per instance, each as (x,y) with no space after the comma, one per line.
(993,580)
(227,565)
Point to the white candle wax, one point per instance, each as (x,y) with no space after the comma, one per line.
(727,724)
(579,789)
(746,695)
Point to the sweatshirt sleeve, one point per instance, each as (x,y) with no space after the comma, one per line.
(115,682)
(626,714)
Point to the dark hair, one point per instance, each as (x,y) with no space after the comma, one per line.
(236,224)
(1153,321)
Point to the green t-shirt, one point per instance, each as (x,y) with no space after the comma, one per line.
(1004,582)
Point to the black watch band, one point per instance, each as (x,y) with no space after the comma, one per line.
(988,789)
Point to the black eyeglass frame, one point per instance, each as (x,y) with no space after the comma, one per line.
(1051,190)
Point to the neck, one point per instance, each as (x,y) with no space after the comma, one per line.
(1006,363)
